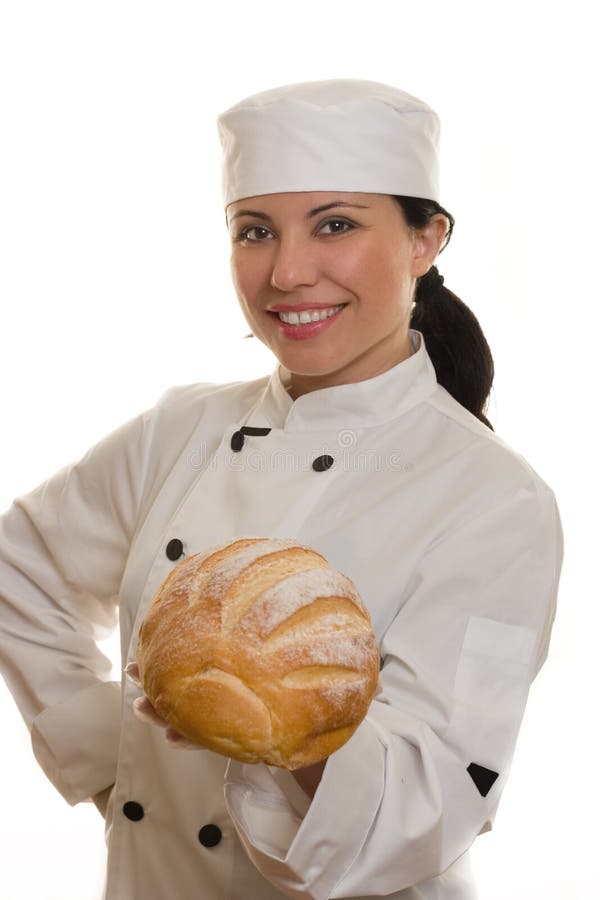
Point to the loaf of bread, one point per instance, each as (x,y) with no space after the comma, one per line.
(259,650)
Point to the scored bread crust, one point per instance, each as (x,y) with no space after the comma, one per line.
(258,650)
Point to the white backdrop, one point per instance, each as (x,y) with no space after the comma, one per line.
(114,285)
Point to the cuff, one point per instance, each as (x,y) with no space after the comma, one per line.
(76,742)
(306,857)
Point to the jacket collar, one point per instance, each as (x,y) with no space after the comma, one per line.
(360,405)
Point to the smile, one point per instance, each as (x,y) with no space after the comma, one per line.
(308,315)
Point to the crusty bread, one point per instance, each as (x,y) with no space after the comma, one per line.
(258,650)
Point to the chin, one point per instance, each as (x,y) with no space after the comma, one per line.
(308,371)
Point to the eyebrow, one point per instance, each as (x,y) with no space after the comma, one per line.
(309,215)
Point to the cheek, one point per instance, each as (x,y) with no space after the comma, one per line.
(380,275)
(248,275)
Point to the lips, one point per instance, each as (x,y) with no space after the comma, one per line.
(300,307)
(300,331)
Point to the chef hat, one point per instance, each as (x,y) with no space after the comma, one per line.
(336,135)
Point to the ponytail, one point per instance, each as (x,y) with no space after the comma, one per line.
(455,342)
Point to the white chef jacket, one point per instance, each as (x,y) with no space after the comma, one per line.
(455,544)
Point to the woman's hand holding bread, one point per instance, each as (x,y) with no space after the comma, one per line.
(258,650)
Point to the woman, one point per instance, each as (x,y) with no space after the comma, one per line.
(369,443)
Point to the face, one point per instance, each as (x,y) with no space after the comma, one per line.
(341,269)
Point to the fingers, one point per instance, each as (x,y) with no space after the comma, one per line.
(178,742)
(145,712)
(132,671)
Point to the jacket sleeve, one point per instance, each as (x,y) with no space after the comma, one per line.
(63,549)
(423,774)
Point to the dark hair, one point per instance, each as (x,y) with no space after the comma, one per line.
(453,337)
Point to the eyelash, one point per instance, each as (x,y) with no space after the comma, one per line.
(243,235)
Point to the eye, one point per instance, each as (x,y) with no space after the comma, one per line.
(246,233)
(345,226)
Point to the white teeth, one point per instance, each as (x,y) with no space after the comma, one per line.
(307,315)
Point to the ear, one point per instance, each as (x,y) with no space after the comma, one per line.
(427,243)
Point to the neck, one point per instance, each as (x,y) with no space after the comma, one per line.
(351,374)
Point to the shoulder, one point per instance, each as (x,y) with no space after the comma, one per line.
(483,496)
(184,407)
(483,463)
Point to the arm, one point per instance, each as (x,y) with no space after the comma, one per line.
(402,800)
(63,548)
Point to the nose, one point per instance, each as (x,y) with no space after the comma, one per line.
(294,265)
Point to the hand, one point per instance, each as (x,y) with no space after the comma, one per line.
(145,712)
(308,778)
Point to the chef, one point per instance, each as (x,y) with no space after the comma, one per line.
(369,443)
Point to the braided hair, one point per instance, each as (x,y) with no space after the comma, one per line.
(458,349)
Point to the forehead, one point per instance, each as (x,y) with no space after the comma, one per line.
(303,202)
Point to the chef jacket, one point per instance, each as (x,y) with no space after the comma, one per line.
(452,539)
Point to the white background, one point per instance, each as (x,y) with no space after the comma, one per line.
(114,285)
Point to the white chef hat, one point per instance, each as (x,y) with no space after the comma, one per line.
(336,135)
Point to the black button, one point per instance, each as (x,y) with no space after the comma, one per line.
(257,432)
(322,463)
(133,810)
(210,835)
(484,778)
(175,549)
(237,441)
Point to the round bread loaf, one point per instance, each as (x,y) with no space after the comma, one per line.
(258,650)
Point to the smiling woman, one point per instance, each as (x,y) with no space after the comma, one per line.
(377,260)
(357,273)
(369,445)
